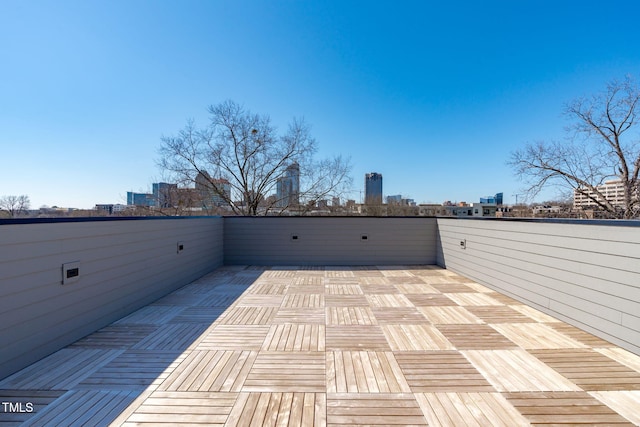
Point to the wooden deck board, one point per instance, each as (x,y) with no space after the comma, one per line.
(336,346)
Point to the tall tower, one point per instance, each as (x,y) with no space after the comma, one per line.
(373,188)
(288,187)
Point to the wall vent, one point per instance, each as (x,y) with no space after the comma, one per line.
(70,272)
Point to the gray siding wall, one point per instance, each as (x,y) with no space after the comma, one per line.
(124,265)
(329,241)
(585,274)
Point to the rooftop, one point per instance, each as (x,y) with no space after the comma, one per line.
(320,345)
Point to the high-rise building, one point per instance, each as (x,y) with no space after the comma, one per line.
(164,193)
(373,188)
(213,191)
(288,187)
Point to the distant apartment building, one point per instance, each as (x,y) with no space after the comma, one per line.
(164,194)
(460,210)
(140,199)
(613,191)
(288,187)
(492,200)
(212,191)
(373,188)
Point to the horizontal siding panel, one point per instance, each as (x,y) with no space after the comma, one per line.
(588,274)
(123,266)
(329,241)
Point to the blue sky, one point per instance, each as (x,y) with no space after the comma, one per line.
(434,96)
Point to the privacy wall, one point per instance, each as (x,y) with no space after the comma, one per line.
(110,269)
(586,273)
(329,241)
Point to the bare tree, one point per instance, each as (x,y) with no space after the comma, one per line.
(15,205)
(601,146)
(242,160)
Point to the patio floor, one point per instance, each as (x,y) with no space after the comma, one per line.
(331,346)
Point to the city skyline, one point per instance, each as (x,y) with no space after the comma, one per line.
(432,96)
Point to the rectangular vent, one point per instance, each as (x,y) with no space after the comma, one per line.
(70,272)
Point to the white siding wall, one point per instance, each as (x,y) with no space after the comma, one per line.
(329,241)
(583,273)
(124,264)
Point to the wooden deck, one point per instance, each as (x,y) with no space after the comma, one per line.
(332,346)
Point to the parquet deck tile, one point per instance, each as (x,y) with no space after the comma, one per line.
(388,300)
(445,286)
(278,288)
(62,370)
(279,409)
(300,315)
(398,315)
(71,408)
(536,315)
(295,337)
(564,408)
(579,335)
(170,337)
(117,336)
(39,400)
(151,315)
(249,316)
(356,338)
(405,280)
(234,337)
(305,289)
(626,403)
(303,300)
(386,345)
(589,369)
(499,314)
(364,372)
(184,408)
(379,289)
(203,370)
(416,290)
(132,370)
(469,409)
(475,337)
(415,337)
(449,315)
(260,300)
(621,356)
(343,290)
(430,300)
(441,371)
(350,316)
(199,315)
(346,301)
(504,299)
(517,370)
(473,299)
(287,372)
(536,336)
(353,409)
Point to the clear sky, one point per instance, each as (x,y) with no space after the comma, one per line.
(434,95)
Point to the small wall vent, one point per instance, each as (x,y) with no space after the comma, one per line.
(70,272)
